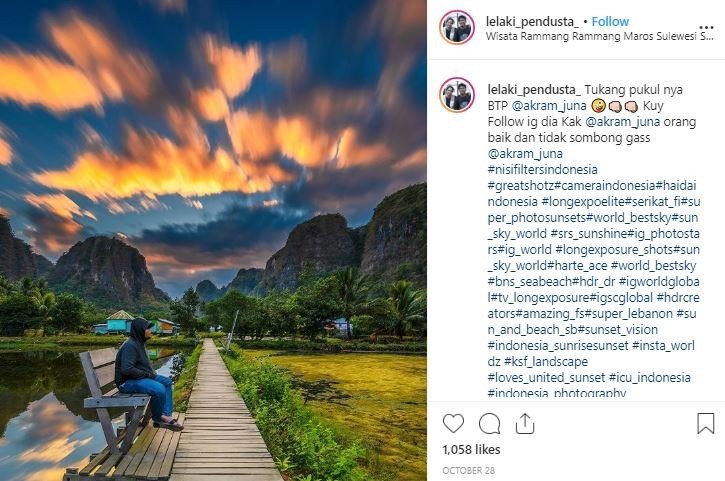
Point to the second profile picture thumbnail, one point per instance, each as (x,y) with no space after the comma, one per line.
(457,27)
(457,94)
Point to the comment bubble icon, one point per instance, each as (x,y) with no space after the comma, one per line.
(490,424)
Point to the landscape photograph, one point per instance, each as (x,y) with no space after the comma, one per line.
(246,181)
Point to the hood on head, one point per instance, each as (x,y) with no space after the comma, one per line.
(138,329)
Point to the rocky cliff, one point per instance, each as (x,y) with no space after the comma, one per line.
(395,241)
(208,291)
(246,281)
(108,272)
(17,259)
(322,244)
(392,246)
(43,265)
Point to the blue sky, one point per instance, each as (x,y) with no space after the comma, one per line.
(201,132)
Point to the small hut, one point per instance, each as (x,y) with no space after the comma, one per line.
(164,326)
(100,328)
(119,322)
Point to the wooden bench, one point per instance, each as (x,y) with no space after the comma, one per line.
(100,369)
(152,454)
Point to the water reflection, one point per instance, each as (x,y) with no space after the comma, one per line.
(44,426)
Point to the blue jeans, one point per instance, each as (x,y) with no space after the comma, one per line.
(159,387)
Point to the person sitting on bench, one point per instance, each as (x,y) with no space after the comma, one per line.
(135,375)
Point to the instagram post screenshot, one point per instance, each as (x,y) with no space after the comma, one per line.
(361,240)
(574,261)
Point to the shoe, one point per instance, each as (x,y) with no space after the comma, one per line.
(173,426)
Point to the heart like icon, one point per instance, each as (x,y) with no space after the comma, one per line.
(453,422)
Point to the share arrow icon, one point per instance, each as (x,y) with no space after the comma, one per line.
(525,425)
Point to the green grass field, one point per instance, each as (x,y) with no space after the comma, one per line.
(380,398)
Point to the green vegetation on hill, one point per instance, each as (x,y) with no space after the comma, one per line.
(396,237)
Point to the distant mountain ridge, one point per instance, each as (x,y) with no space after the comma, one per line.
(391,246)
(246,282)
(17,258)
(111,273)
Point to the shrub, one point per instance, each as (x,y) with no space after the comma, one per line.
(299,440)
(211,335)
(183,385)
(332,345)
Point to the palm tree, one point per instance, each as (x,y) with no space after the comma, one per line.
(42,285)
(46,302)
(6,285)
(406,307)
(352,291)
(27,285)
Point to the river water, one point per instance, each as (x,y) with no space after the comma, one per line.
(43,423)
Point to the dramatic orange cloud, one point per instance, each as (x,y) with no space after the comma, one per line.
(352,153)
(417,159)
(211,104)
(165,6)
(185,262)
(257,135)
(232,67)
(53,451)
(195,203)
(252,133)
(42,80)
(328,103)
(4,212)
(58,204)
(54,234)
(46,474)
(152,165)
(6,152)
(117,71)
(390,90)
(120,207)
(182,262)
(288,61)
(300,140)
(402,26)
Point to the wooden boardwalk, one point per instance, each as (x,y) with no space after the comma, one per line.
(220,441)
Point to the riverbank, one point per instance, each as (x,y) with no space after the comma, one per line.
(325,345)
(34,343)
(332,345)
(185,381)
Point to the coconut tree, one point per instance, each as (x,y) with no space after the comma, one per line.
(46,303)
(27,286)
(6,285)
(406,307)
(352,292)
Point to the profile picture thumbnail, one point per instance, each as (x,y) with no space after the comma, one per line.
(457,94)
(457,27)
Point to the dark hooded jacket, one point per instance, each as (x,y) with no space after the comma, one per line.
(132,361)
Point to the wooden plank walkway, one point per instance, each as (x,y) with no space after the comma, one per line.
(220,441)
(150,457)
